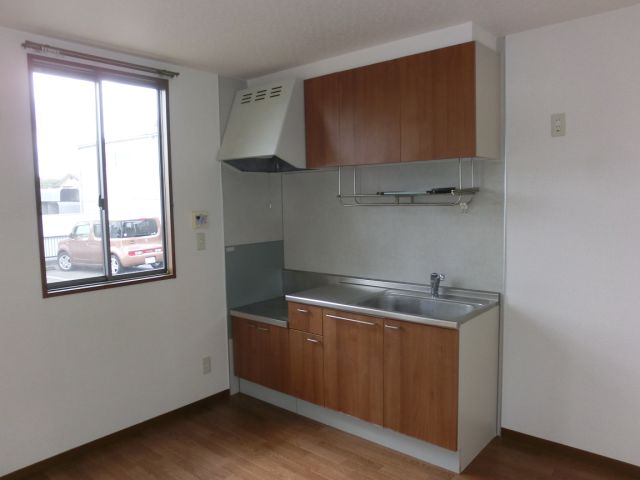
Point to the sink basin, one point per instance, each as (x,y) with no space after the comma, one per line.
(420,306)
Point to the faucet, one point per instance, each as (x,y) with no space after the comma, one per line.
(435,283)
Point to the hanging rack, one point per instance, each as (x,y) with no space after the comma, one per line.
(447,197)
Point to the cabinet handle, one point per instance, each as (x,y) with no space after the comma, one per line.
(313,340)
(391,327)
(350,320)
(301,310)
(262,329)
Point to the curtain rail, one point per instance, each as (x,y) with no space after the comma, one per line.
(44,48)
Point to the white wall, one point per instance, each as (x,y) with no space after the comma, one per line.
(227,88)
(572,332)
(252,206)
(78,367)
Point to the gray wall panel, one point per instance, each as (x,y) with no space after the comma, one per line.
(254,272)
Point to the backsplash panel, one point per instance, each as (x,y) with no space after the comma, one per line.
(397,243)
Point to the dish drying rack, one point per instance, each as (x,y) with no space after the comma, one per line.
(436,197)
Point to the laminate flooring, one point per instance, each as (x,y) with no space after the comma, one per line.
(240,438)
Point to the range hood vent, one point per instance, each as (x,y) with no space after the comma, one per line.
(265,132)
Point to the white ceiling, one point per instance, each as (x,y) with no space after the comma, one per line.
(247,38)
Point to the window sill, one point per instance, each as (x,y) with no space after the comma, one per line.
(106,284)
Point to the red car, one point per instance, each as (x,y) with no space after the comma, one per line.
(133,243)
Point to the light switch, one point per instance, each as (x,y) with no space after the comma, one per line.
(558,125)
(201,241)
(206,365)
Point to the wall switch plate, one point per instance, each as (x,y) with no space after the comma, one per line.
(201,241)
(558,125)
(206,365)
(199,220)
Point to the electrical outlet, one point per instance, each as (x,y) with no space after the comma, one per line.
(201,241)
(558,125)
(206,365)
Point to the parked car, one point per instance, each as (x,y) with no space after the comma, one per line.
(133,243)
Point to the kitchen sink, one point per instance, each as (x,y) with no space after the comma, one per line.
(422,306)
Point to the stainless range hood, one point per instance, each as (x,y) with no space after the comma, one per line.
(265,132)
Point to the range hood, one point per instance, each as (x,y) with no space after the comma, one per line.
(265,132)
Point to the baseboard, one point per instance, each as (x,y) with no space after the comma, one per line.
(565,450)
(413,447)
(65,457)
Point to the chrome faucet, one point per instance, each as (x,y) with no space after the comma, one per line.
(435,284)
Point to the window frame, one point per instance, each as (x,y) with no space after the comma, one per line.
(97,74)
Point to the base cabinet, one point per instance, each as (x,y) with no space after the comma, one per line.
(353,364)
(401,375)
(421,382)
(261,353)
(306,366)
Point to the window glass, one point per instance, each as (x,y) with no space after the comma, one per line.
(82,231)
(101,157)
(133,159)
(66,122)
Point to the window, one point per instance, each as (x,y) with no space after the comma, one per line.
(101,157)
(81,232)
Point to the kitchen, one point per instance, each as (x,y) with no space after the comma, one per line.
(276,234)
(340,233)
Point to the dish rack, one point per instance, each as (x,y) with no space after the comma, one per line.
(436,197)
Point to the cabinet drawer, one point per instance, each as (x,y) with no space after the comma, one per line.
(305,318)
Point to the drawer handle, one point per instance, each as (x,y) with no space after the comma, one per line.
(391,327)
(362,322)
(312,340)
(302,310)
(263,329)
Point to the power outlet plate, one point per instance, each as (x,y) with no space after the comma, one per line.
(558,125)
(206,365)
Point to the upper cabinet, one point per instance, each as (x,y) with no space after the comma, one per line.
(329,119)
(433,105)
(376,114)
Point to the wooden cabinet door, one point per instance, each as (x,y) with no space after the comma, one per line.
(353,364)
(417,107)
(273,356)
(306,359)
(329,120)
(376,113)
(421,382)
(438,103)
(261,353)
(245,349)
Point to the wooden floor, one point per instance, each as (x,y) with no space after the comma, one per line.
(243,438)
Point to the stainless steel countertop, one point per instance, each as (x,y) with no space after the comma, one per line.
(272,312)
(347,296)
